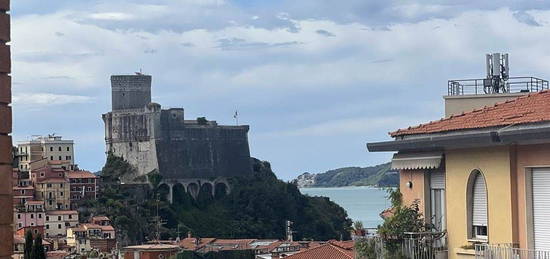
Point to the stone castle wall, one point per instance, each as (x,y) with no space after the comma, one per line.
(151,138)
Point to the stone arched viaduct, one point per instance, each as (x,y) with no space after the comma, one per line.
(194,185)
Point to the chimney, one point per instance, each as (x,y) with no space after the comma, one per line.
(189,235)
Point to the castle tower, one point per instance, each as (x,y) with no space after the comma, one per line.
(130,91)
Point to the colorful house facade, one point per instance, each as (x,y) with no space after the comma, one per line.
(482,173)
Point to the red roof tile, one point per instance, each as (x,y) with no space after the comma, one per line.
(191,243)
(530,108)
(326,251)
(81,174)
(61,212)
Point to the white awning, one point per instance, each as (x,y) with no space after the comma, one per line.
(412,161)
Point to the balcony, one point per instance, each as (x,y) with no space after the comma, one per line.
(415,245)
(485,86)
(508,251)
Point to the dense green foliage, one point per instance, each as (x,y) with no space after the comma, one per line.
(38,251)
(228,254)
(379,175)
(28,245)
(256,207)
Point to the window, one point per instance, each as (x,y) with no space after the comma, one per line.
(68,148)
(59,156)
(47,226)
(51,149)
(477,206)
(59,149)
(70,216)
(32,216)
(437,200)
(18,216)
(59,226)
(60,193)
(20,225)
(51,157)
(47,218)
(67,157)
(39,215)
(59,218)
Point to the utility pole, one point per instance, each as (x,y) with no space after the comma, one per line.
(158,221)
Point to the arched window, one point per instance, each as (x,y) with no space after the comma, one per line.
(477,205)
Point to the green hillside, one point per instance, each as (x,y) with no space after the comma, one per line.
(379,175)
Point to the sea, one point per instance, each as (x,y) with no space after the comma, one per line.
(362,203)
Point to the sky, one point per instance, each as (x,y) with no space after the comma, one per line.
(315,79)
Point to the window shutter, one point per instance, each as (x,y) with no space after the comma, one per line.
(437,180)
(541,208)
(479,211)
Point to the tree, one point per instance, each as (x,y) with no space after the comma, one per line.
(38,249)
(28,245)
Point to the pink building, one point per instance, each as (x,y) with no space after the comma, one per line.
(31,215)
(22,194)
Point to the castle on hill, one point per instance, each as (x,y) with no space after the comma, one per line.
(151,138)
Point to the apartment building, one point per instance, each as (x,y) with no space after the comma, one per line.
(89,236)
(32,214)
(84,186)
(49,147)
(58,221)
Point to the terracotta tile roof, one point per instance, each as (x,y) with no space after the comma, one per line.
(326,251)
(53,180)
(190,243)
(153,247)
(100,218)
(531,108)
(348,245)
(81,174)
(61,212)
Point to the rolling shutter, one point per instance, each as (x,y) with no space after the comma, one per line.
(479,211)
(541,208)
(437,180)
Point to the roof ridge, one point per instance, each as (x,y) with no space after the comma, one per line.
(330,245)
(474,111)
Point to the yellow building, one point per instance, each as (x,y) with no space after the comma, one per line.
(482,174)
(55,193)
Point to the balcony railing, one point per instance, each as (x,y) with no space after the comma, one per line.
(415,245)
(485,86)
(508,251)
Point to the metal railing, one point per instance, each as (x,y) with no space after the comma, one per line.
(485,86)
(415,245)
(508,251)
(425,245)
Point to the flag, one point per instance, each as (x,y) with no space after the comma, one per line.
(236,115)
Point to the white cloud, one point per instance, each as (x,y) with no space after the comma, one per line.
(347,126)
(114,16)
(48,99)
